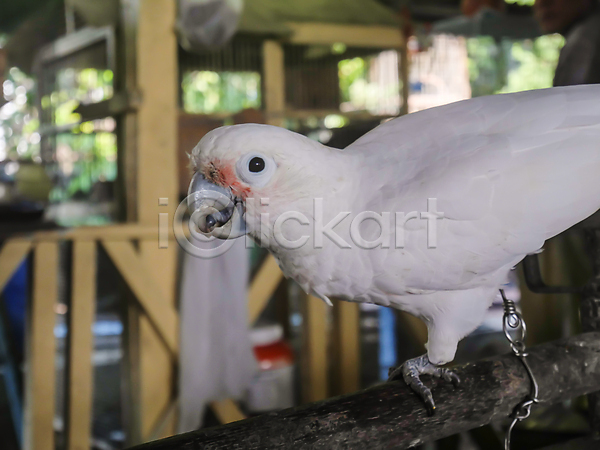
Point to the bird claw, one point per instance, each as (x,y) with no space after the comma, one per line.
(410,372)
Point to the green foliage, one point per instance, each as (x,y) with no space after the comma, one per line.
(93,160)
(483,75)
(72,88)
(534,63)
(84,155)
(360,92)
(87,153)
(207,92)
(351,71)
(521,2)
(511,66)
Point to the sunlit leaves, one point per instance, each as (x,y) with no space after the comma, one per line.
(208,92)
(370,84)
(18,117)
(521,2)
(510,66)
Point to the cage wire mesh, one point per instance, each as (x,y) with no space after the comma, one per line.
(226,80)
(81,156)
(311,78)
(320,80)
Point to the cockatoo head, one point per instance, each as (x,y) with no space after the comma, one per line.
(243,171)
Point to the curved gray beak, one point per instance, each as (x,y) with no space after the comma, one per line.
(215,211)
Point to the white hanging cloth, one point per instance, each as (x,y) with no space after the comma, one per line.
(216,360)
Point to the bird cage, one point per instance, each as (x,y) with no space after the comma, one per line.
(222,82)
(311,79)
(319,79)
(76,74)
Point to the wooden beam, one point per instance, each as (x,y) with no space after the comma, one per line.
(12,255)
(304,114)
(131,375)
(166,420)
(227,411)
(274,82)
(156,77)
(320,113)
(80,374)
(404,73)
(126,79)
(347,347)
(158,386)
(315,365)
(263,286)
(41,350)
(390,415)
(135,272)
(157,119)
(122,232)
(376,36)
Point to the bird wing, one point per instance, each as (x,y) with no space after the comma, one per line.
(508,172)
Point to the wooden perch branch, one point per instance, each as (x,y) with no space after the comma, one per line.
(391,416)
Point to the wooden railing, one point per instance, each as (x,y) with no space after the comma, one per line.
(120,243)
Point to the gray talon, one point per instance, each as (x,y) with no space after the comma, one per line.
(450,377)
(413,368)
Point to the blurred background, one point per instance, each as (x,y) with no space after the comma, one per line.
(110,334)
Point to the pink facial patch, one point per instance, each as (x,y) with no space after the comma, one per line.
(224,175)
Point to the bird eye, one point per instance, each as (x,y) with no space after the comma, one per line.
(255,169)
(257,164)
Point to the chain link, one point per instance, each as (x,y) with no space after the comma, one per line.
(512,321)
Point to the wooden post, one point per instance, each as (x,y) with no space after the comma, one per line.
(126,80)
(347,347)
(274,82)
(404,62)
(81,317)
(404,57)
(315,365)
(263,287)
(40,372)
(227,411)
(151,160)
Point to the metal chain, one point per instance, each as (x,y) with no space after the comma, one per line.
(512,321)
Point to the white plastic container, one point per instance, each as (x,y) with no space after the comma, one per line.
(273,387)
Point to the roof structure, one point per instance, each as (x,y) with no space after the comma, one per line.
(270,16)
(34,23)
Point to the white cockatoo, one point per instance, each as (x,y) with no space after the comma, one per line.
(426,213)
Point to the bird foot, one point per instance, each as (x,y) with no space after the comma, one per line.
(413,368)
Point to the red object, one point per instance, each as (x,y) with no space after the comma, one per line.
(274,356)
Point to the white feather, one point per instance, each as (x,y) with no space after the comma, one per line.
(508,172)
